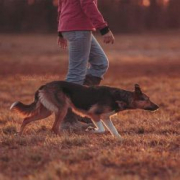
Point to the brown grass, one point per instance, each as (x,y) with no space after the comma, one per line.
(151,145)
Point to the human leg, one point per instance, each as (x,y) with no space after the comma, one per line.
(98,61)
(79,50)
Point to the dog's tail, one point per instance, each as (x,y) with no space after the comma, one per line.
(26,110)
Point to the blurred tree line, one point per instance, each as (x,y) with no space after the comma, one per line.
(122,15)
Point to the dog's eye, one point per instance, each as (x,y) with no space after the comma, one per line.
(144,99)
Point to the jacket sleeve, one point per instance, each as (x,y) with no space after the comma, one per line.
(91,10)
(59,10)
(58,16)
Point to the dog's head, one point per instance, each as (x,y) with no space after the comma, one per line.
(142,101)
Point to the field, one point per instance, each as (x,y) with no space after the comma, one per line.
(151,141)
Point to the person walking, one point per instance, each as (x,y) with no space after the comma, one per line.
(88,63)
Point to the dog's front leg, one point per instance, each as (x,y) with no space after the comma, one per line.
(98,124)
(99,127)
(110,126)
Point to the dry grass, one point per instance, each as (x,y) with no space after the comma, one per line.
(151,145)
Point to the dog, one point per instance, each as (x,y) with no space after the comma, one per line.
(95,102)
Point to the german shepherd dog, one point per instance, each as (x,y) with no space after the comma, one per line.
(95,102)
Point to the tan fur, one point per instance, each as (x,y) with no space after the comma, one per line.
(79,112)
(41,113)
(143,104)
(59,116)
(93,109)
(26,113)
(47,102)
(50,98)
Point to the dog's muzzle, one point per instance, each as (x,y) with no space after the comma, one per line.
(152,108)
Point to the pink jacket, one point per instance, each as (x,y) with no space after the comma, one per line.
(79,15)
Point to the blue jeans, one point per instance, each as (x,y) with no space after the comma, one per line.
(85,56)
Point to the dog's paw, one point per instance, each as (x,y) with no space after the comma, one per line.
(118,137)
(94,130)
(90,128)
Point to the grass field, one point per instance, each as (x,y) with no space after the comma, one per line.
(151,141)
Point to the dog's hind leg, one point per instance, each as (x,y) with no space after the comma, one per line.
(110,126)
(59,117)
(40,114)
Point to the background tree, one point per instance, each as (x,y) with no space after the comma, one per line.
(174,14)
(122,15)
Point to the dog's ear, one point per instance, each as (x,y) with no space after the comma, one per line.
(137,89)
(122,105)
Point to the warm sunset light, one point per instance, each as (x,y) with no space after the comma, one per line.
(55,2)
(30,2)
(46,43)
(146,3)
(166,1)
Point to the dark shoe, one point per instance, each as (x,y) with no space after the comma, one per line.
(91,80)
(72,122)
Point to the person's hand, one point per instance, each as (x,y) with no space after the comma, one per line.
(62,42)
(108,38)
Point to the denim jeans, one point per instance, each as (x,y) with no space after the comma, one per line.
(85,56)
